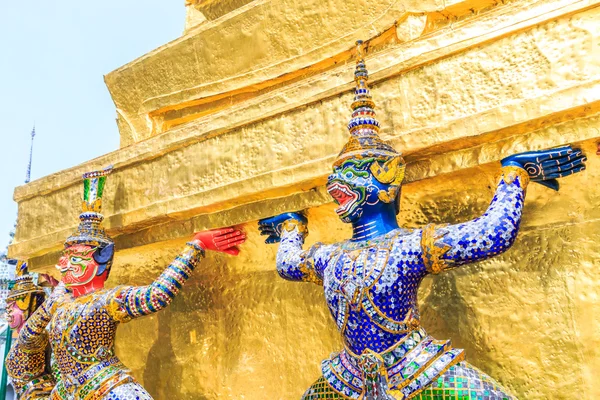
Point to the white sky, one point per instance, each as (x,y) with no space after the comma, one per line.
(53,55)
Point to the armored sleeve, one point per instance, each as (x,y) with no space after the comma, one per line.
(296,264)
(133,302)
(448,246)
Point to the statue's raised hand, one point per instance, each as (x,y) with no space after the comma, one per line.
(272,226)
(546,166)
(224,240)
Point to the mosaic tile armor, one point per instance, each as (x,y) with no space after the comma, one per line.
(371,290)
(28,373)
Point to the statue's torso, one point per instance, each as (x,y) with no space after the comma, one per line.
(82,333)
(371,289)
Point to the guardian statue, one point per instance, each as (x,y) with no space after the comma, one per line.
(29,370)
(371,280)
(82,317)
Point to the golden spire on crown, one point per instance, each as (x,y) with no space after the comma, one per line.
(90,230)
(24,288)
(364,139)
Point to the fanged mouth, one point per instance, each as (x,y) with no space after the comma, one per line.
(343,195)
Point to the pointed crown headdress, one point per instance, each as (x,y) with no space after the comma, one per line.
(364,139)
(23,289)
(90,230)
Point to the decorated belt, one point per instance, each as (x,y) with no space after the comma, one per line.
(102,370)
(408,366)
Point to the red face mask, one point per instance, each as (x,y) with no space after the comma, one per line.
(79,269)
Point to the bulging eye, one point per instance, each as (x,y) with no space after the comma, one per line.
(75,260)
(349,175)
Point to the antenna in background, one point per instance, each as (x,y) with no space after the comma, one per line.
(28,176)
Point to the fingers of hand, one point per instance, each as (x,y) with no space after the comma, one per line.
(272,239)
(554,153)
(567,166)
(577,154)
(222,231)
(227,236)
(565,173)
(266,229)
(560,151)
(230,246)
(267,221)
(231,242)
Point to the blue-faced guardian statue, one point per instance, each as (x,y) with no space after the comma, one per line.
(371,280)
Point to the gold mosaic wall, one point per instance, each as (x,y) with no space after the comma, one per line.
(459,85)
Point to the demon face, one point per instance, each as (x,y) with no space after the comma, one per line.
(355,189)
(77,265)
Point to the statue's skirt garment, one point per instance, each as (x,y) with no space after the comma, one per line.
(418,367)
(462,381)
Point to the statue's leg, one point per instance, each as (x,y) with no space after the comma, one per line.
(321,390)
(464,382)
(128,391)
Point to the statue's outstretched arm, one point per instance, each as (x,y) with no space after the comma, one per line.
(26,360)
(133,302)
(496,230)
(33,333)
(293,263)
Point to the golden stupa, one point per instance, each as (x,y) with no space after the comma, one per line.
(241,118)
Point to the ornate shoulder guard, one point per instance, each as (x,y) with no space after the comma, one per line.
(307,266)
(434,249)
(291,224)
(115,304)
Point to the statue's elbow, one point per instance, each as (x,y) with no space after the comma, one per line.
(282,270)
(510,237)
